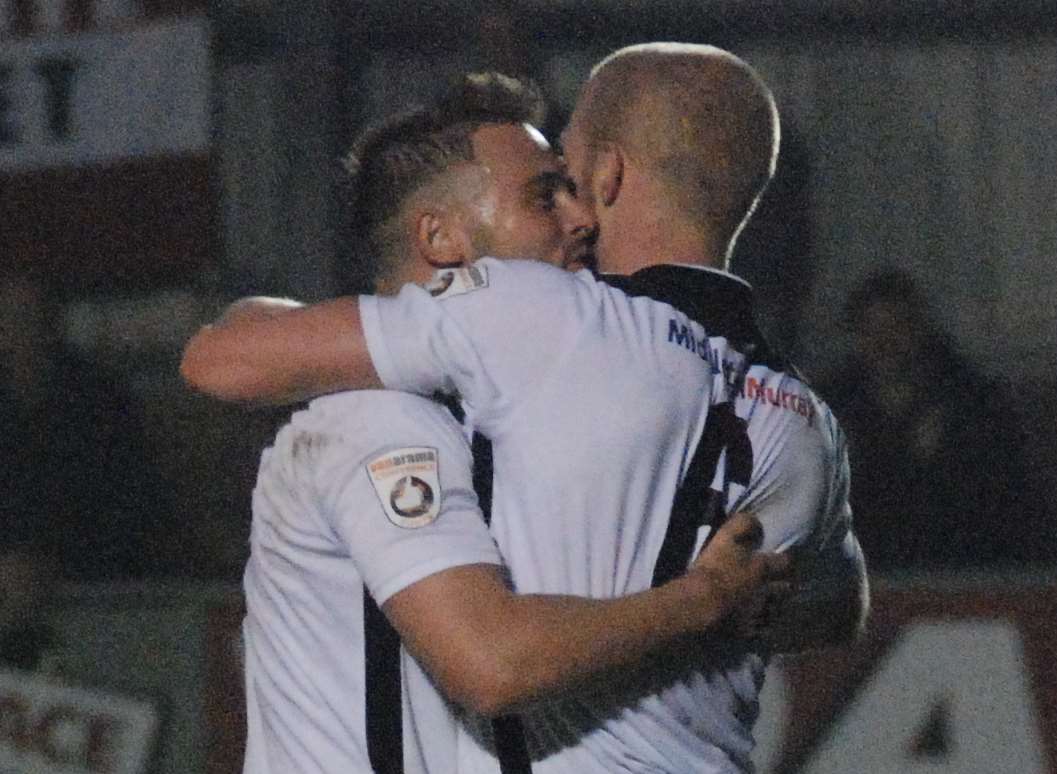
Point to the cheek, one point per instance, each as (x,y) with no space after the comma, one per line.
(585,198)
(544,231)
(530,232)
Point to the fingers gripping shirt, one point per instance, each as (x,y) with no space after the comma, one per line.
(361,489)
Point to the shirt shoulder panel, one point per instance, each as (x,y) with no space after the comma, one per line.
(394,480)
(488,343)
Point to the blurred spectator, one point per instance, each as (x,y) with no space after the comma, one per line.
(938,475)
(79,482)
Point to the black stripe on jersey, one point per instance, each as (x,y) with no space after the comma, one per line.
(383,700)
(510,746)
(481,449)
(696,503)
(723,306)
(508,731)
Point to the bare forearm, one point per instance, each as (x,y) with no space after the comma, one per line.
(510,650)
(548,645)
(266,353)
(492,650)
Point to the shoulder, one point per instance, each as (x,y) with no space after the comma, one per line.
(369,416)
(345,436)
(343,430)
(796,436)
(528,279)
(542,293)
(500,301)
(495,293)
(523,268)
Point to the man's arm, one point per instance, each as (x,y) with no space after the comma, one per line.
(271,351)
(493,651)
(420,343)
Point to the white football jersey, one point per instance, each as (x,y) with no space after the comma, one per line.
(362,491)
(595,399)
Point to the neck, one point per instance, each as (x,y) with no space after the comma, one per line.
(626,245)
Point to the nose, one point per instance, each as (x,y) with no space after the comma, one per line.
(577,219)
(580,235)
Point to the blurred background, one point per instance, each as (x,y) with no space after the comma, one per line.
(159,158)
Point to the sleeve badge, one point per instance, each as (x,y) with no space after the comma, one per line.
(407,482)
(447,283)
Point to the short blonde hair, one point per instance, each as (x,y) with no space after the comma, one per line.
(698,117)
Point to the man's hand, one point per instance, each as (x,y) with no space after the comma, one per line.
(747,583)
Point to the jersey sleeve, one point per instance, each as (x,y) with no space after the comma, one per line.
(485,332)
(839,553)
(799,488)
(802,499)
(405,509)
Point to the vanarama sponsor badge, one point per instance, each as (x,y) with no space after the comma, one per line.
(407,482)
(454,282)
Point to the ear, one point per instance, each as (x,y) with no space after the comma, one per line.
(608,174)
(440,240)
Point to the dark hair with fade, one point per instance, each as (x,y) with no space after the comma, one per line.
(392,160)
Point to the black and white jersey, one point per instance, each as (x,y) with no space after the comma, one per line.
(360,496)
(596,398)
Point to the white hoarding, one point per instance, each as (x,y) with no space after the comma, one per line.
(49,728)
(99,98)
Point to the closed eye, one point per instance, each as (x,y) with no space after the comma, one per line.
(543,188)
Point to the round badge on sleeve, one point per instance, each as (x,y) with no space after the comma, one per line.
(407,482)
